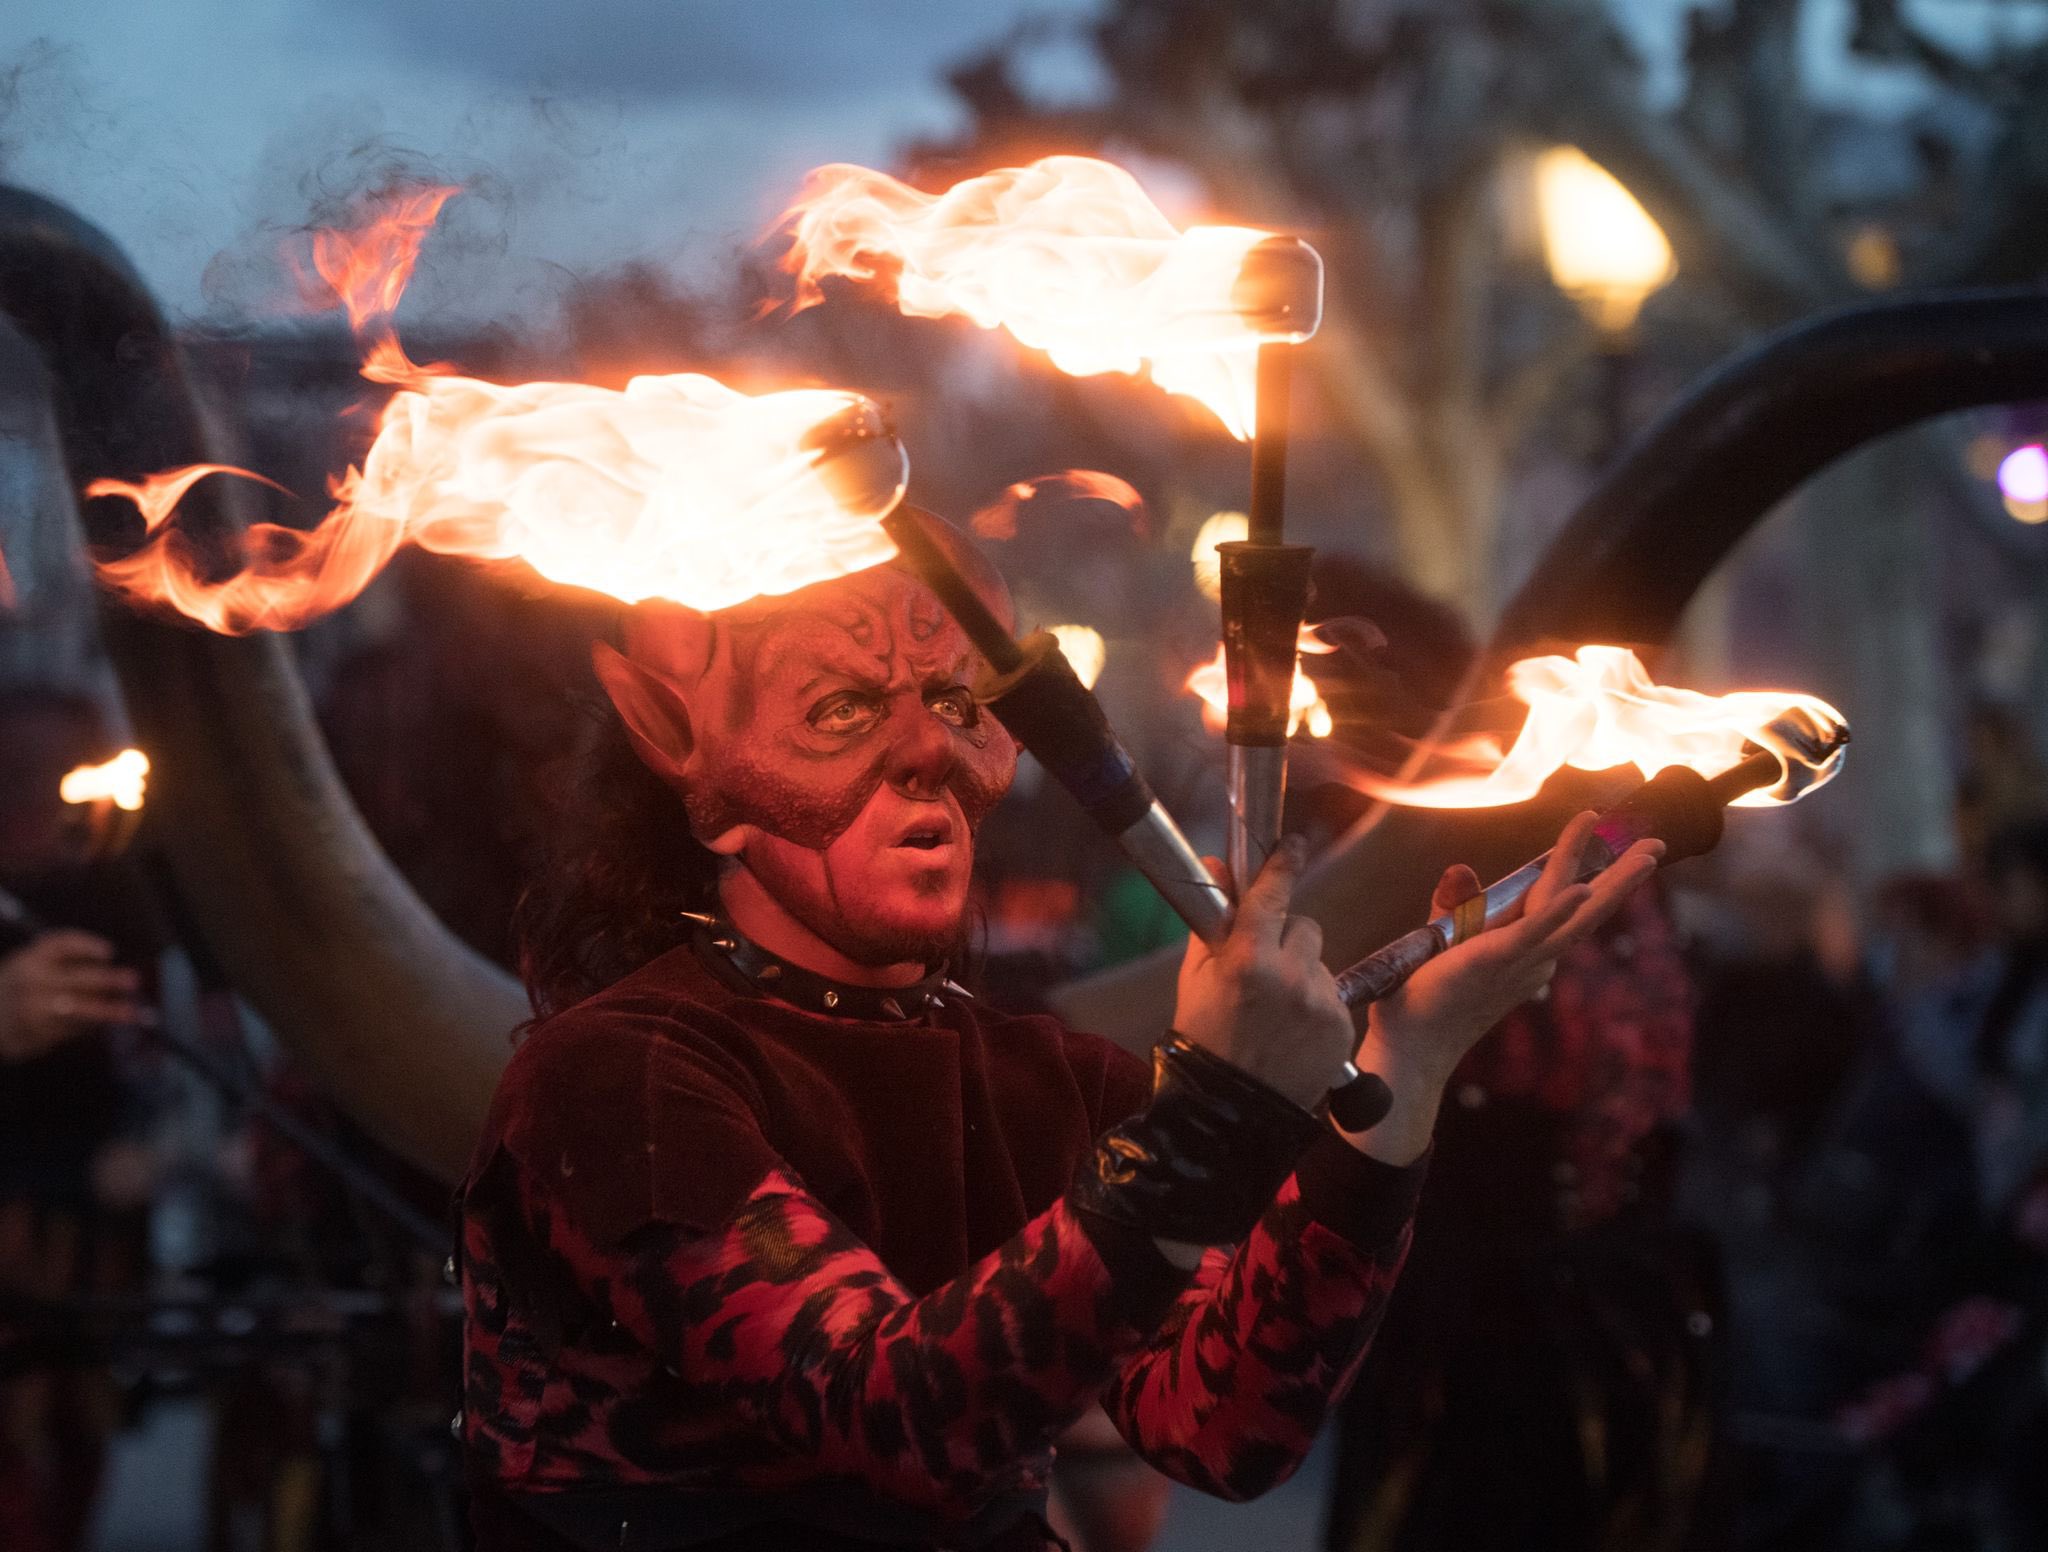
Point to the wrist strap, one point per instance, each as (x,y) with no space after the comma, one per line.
(1203,1160)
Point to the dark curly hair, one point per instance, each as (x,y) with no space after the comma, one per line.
(618,868)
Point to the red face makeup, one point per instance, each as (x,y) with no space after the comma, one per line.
(836,749)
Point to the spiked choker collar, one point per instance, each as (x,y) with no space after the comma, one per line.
(745,965)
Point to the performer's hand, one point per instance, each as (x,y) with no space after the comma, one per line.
(1263,1000)
(1416,1037)
(63,984)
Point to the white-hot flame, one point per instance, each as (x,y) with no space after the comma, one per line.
(1068,254)
(120,781)
(1599,709)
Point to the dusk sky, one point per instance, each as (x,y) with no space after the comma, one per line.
(589,132)
(593,132)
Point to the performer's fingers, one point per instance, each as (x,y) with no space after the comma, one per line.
(1532,934)
(1607,893)
(1561,867)
(1458,885)
(1302,936)
(1262,910)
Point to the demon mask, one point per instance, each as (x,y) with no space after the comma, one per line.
(828,743)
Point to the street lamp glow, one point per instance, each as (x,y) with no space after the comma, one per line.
(1603,249)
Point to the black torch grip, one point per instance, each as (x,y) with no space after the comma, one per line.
(1055,716)
(1265,594)
(1361,1103)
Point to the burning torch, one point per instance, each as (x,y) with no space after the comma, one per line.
(1034,692)
(1677,806)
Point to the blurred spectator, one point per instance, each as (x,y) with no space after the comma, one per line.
(2003,782)
(73,1175)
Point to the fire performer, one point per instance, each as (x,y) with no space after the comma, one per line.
(777,1238)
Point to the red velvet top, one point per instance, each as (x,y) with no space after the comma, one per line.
(747,1263)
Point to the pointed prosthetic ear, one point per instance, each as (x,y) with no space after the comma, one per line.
(657,717)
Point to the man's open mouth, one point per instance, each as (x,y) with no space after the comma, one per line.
(929,836)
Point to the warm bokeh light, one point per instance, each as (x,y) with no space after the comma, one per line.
(674,487)
(120,781)
(1603,249)
(1599,709)
(1084,648)
(1220,528)
(1069,255)
(1210,683)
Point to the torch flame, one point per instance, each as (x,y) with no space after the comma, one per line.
(120,781)
(675,487)
(366,267)
(1600,708)
(156,496)
(1305,705)
(1068,254)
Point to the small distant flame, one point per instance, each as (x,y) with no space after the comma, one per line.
(120,781)
(9,598)
(1068,254)
(1084,648)
(998,520)
(674,487)
(1306,706)
(1599,708)
(366,267)
(1221,528)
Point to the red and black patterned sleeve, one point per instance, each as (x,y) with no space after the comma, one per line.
(649,1184)
(820,1364)
(1229,1394)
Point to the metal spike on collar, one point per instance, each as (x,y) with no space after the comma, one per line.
(893,1008)
(700,918)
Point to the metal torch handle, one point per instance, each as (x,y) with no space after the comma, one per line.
(1386,969)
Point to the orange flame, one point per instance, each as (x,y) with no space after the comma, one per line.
(10,600)
(366,267)
(1600,708)
(998,520)
(1068,254)
(675,487)
(1210,682)
(119,781)
(157,495)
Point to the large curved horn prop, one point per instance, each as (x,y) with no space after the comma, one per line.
(1624,566)
(404,1024)
(1751,433)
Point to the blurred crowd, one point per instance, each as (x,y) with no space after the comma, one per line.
(1734,1240)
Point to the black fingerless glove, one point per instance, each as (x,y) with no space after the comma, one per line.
(1203,1160)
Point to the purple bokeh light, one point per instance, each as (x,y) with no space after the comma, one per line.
(2023,474)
